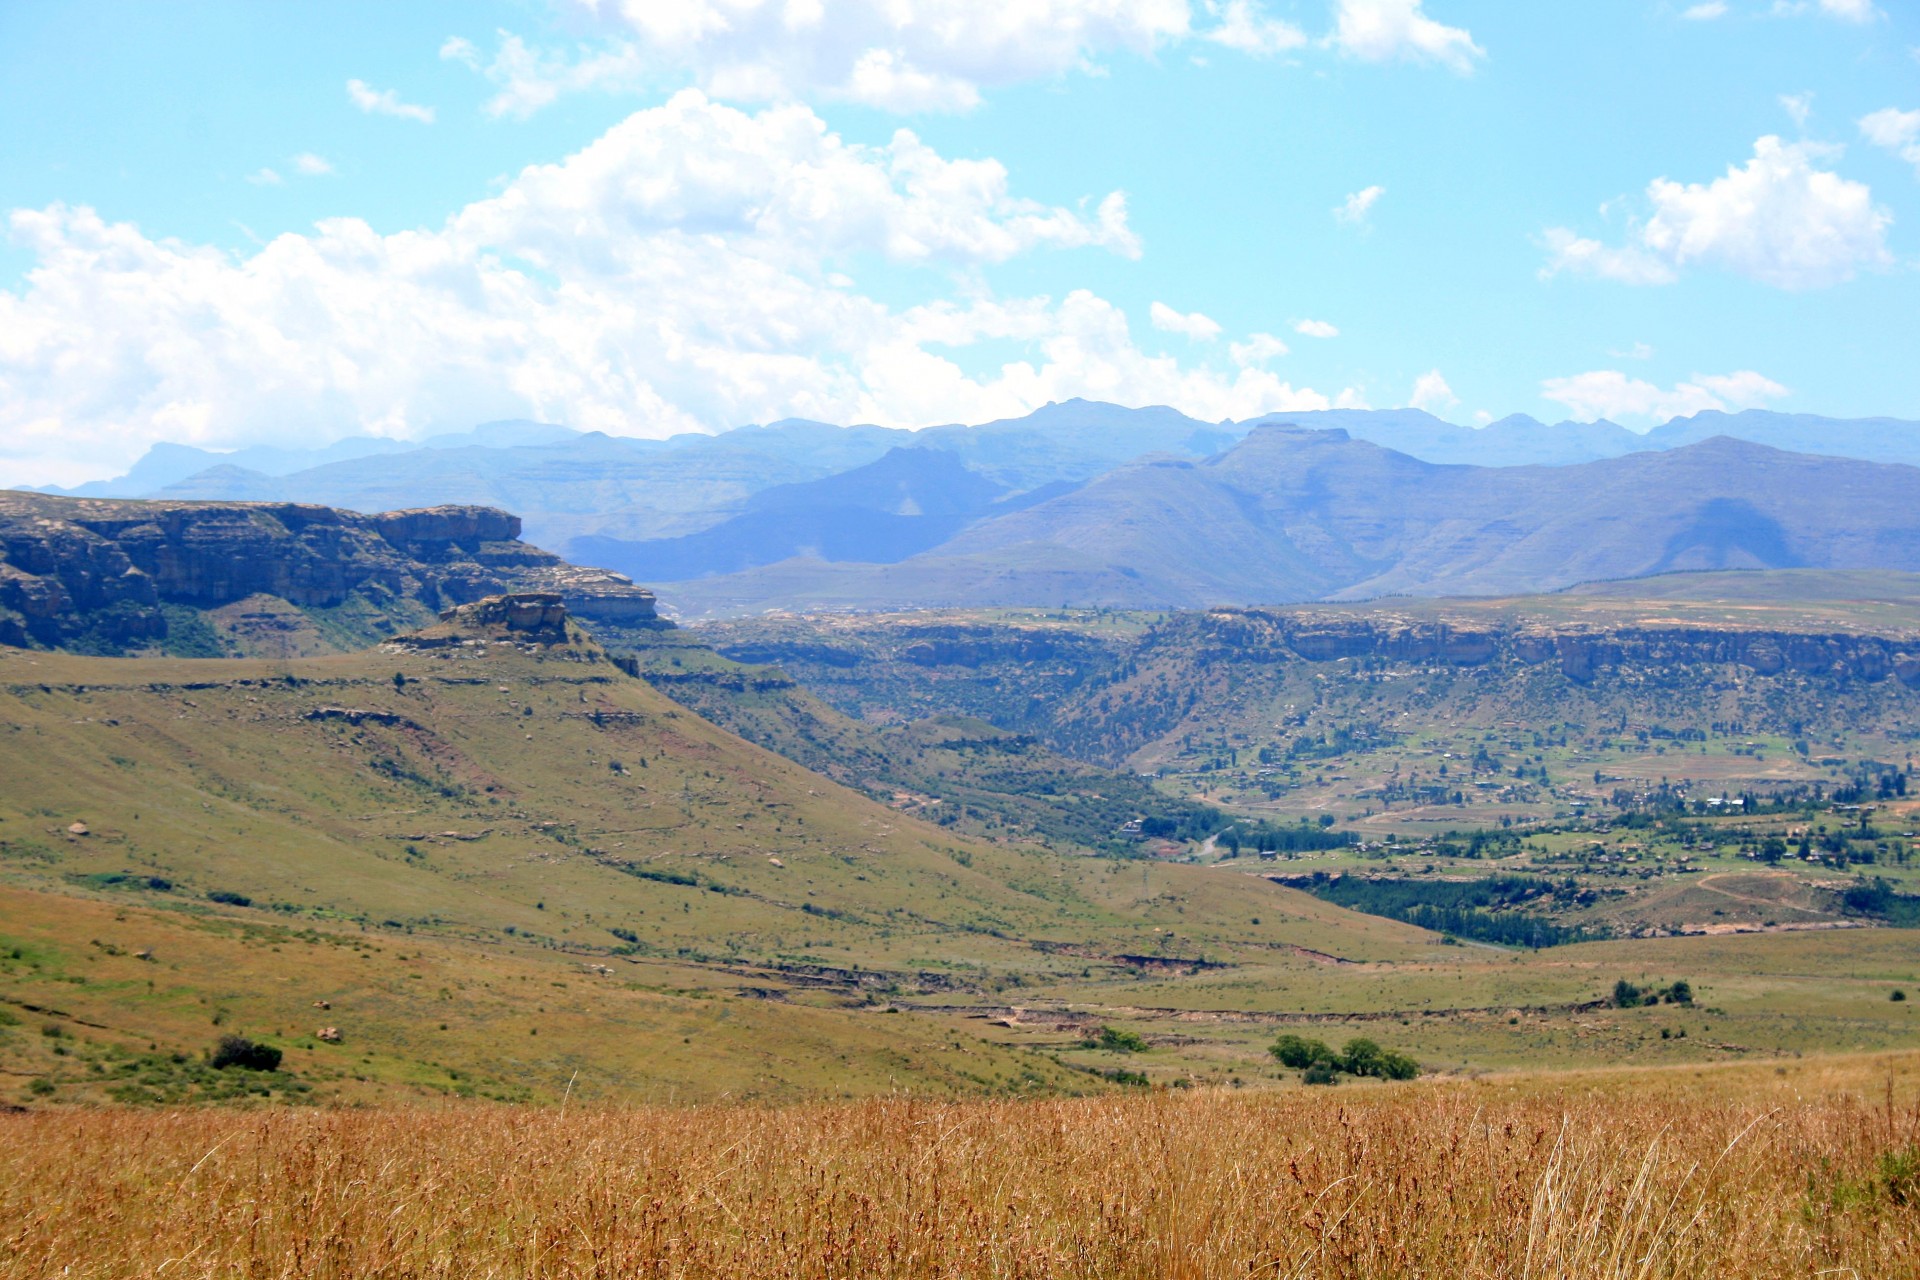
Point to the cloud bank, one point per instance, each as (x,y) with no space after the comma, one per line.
(688,270)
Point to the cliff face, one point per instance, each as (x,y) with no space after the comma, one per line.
(1580,651)
(102,573)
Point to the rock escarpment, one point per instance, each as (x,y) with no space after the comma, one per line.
(1580,651)
(113,575)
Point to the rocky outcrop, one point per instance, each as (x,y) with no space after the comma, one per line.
(538,616)
(101,573)
(1581,652)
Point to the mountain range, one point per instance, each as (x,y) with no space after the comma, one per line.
(1082,502)
(1298,514)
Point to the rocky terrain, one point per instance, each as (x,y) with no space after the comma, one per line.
(1147,689)
(276,579)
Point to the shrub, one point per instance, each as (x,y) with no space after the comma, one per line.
(1625,995)
(1320,1071)
(1365,1058)
(238,1051)
(229,899)
(1299,1052)
(1897,996)
(1119,1041)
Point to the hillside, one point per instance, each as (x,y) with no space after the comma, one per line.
(1290,514)
(267,579)
(583,873)
(1280,700)
(495,863)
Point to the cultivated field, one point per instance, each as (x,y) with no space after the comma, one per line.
(1759,1170)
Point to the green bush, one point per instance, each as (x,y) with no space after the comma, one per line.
(1119,1041)
(238,1051)
(1365,1058)
(1299,1052)
(1320,1071)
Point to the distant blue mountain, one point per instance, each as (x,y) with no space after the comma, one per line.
(905,502)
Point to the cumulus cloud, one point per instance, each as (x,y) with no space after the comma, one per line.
(385,102)
(1897,131)
(266,178)
(1245,26)
(1315,329)
(1385,30)
(684,271)
(898,55)
(312,166)
(909,55)
(1780,219)
(1799,106)
(1706,12)
(1198,327)
(1430,392)
(1355,208)
(1609,393)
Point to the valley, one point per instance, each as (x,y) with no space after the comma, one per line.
(506,856)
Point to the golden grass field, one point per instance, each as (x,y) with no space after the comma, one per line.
(1802,1169)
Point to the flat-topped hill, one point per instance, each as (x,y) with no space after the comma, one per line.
(271,578)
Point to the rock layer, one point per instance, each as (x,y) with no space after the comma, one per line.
(102,573)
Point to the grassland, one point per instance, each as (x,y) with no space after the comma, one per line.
(1762,1171)
(524,875)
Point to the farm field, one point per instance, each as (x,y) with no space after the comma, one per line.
(1766,1169)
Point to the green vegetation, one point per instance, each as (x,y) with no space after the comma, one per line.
(1492,909)
(1319,1064)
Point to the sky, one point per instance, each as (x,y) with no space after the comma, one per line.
(233,223)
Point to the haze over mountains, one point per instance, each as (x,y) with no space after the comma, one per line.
(1087,503)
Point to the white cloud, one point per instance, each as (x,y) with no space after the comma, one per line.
(1580,256)
(898,55)
(1609,393)
(1638,351)
(1779,219)
(385,102)
(1315,329)
(1197,327)
(266,178)
(1897,131)
(1706,12)
(1430,392)
(1356,207)
(1799,106)
(1383,30)
(529,78)
(687,270)
(909,55)
(1256,350)
(1860,11)
(312,166)
(1245,26)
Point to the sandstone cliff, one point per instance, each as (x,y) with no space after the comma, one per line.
(110,575)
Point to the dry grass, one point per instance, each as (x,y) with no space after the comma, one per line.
(1609,1175)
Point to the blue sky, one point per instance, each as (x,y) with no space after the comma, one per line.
(241,223)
